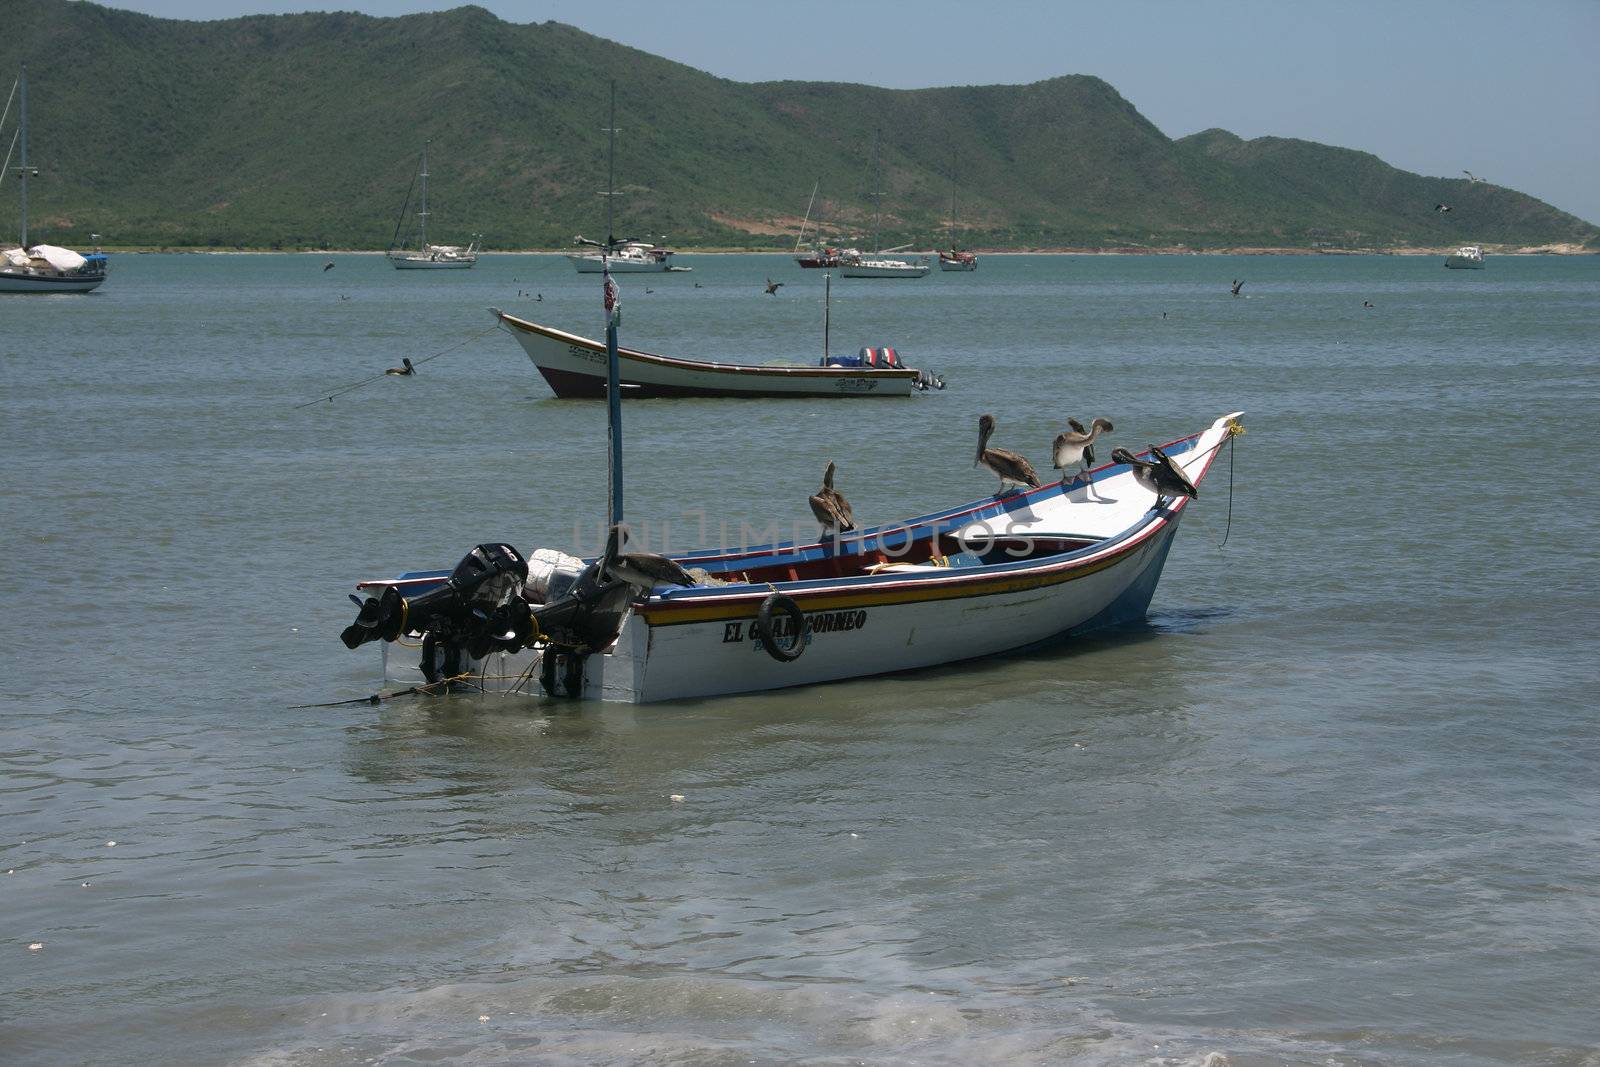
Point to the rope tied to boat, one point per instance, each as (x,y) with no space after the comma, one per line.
(327,398)
(426,689)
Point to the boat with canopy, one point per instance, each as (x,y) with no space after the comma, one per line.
(41,268)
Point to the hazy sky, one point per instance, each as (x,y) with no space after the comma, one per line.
(1508,90)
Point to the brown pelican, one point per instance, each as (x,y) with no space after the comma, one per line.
(1077,446)
(773,287)
(1158,474)
(831,509)
(1237,285)
(405,371)
(1007,466)
(642,570)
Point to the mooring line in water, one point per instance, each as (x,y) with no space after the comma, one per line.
(327,398)
(426,689)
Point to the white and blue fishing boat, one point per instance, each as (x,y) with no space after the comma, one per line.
(991,576)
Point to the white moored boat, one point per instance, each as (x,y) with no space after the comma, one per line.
(624,256)
(426,256)
(991,576)
(879,264)
(575,367)
(40,268)
(1467,257)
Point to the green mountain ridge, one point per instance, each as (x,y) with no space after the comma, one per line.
(303,131)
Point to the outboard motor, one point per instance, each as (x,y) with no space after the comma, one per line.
(486,579)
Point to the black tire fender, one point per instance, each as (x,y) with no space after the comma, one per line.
(779,603)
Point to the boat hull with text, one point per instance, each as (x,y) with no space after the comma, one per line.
(575,367)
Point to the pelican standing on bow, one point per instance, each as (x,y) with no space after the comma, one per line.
(1009,467)
(1077,445)
(1159,474)
(831,508)
(642,570)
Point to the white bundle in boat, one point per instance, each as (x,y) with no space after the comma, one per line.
(551,573)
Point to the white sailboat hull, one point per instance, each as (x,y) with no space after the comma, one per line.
(21,282)
(883,268)
(423,263)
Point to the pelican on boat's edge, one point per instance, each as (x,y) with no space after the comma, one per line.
(1077,445)
(970,579)
(1159,474)
(830,507)
(1009,467)
(642,570)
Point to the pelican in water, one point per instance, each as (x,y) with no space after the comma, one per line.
(403,371)
(1159,474)
(831,508)
(1077,445)
(1007,466)
(642,570)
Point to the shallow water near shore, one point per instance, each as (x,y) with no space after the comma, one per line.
(1335,804)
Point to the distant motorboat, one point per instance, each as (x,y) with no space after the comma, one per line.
(41,268)
(426,256)
(1467,257)
(625,255)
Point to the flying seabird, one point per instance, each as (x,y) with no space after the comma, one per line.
(327,266)
(1007,466)
(831,508)
(1471,177)
(642,570)
(1077,445)
(1441,207)
(1237,285)
(773,287)
(403,371)
(1158,474)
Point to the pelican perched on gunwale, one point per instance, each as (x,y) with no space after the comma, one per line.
(1077,445)
(1007,466)
(642,570)
(830,507)
(1159,474)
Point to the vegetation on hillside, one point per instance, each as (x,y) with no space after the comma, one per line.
(303,130)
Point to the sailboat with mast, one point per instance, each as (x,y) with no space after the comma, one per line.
(41,268)
(426,256)
(879,264)
(955,259)
(818,255)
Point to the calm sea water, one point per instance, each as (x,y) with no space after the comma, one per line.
(1336,804)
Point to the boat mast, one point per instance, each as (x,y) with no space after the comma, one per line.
(877,196)
(807,219)
(827,307)
(613,375)
(423,214)
(22,127)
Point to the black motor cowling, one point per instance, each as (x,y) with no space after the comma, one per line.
(460,608)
